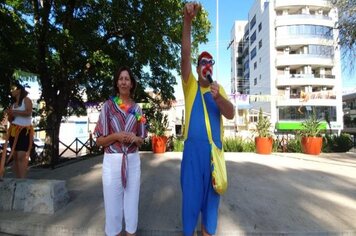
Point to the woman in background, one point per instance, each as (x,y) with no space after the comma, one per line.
(20,133)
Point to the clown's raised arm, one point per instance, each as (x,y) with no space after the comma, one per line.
(189,12)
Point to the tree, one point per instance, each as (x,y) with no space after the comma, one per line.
(78,45)
(15,50)
(347,29)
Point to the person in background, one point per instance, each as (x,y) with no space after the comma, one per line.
(198,195)
(121,130)
(20,133)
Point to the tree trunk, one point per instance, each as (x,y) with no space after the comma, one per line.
(51,149)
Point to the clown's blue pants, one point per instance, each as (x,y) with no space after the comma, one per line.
(197,191)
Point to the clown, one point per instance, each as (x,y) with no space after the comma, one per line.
(198,194)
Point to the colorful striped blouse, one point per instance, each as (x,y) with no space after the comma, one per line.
(113,119)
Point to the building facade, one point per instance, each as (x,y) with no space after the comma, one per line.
(290,59)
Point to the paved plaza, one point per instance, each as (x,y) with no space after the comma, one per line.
(278,194)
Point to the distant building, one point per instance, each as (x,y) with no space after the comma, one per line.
(288,63)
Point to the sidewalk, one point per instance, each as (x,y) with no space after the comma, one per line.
(278,194)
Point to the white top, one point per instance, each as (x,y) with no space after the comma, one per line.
(22,120)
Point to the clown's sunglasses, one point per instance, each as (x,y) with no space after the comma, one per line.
(205,62)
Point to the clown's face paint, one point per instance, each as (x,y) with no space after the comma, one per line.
(206,67)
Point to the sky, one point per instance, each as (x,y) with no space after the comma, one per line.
(229,12)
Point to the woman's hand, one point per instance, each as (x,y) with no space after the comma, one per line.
(138,141)
(122,137)
(10,114)
(132,138)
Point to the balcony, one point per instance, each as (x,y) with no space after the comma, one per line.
(303,16)
(315,102)
(319,98)
(281,4)
(286,40)
(305,79)
(304,19)
(304,59)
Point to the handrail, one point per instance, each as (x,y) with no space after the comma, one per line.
(89,145)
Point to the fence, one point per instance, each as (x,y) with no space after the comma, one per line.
(74,150)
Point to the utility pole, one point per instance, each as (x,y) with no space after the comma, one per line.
(217,40)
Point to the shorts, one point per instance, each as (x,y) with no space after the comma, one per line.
(23,141)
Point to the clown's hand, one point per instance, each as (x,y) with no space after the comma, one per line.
(191,9)
(214,88)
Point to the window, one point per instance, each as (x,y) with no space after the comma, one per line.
(253,118)
(260,44)
(253,22)
(305,31)
(246,65)
(321,50)
(293,113)
(239,60)
(255,65)
(239,72)
(253,53)
(259,27)
(239,49)
(255,81)
(253,37)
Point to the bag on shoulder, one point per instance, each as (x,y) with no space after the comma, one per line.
(218,169)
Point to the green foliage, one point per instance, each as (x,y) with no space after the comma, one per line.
(275,145)
(147,145)
(174,144)
(311,127)
(238,145)
(333,143)
(178,144)
(16,50)
(74,48)
(347,31)
(294,145)
(249,146)
(263,125)
(233,145)
(337,143)
(157,123)
(343,143)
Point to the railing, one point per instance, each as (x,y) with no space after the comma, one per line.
(302,16)
(76,147)
(89,145)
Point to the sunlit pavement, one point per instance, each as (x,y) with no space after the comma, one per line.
(278,194)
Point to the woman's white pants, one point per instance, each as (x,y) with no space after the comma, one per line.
(121,203)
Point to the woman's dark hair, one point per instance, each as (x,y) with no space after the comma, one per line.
(23,92)
(132,78)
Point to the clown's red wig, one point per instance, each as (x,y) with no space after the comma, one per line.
(204,54)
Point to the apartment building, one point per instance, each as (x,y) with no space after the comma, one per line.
(290,60)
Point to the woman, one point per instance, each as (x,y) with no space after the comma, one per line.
(20,133)
(121,130)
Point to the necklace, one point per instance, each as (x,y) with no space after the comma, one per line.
(129,109)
